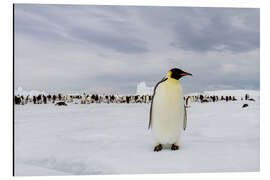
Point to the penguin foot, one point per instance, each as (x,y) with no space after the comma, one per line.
(174,147)
(158,148)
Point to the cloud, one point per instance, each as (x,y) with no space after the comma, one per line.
(208,29)
(112,48)
(104,39)
(45,23)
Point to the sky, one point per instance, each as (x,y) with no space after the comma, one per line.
(110,49)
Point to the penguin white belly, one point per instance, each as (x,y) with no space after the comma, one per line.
(168,112)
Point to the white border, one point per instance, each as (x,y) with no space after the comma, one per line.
(201,3)
(6,86)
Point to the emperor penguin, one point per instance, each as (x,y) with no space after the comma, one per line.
(167,110)
(83,99)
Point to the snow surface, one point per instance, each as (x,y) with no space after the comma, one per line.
(114,139)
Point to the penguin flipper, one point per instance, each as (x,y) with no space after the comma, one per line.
(150,119)
(185,118)
(151,107)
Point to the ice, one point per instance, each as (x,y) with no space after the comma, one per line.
(142,89)
(21,92)
(114,139)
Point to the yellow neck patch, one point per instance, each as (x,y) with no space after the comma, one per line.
(169,74)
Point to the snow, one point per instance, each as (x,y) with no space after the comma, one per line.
(114,139)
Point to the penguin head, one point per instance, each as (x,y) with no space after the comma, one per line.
(176,73)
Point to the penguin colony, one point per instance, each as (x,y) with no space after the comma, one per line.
(82,99)
(95,98)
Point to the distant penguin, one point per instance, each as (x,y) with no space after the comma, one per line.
(54,98)
(188,101)
(88,99)
(128,99)
(39,100)
(246,97)
(167,110)
(201,98)
(61,103)
(17,100)
(49,97)
(22,100)
(34,99)
(83,99)
(44,99)
(27,99)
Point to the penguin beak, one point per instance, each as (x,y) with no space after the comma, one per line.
(185,74)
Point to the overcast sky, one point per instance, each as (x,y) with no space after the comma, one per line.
(109,49)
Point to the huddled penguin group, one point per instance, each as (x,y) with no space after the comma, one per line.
(82,99)
(167,110)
